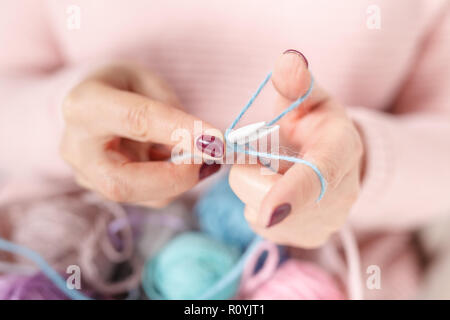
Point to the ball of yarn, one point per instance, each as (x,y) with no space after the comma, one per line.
(188,266)
(298,280)
(71,229)
(221,215)
(29,287)
(160,226)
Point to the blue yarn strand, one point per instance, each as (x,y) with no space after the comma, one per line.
(250,151)
(294,105)
(323,182)
(250,102)
(54,276)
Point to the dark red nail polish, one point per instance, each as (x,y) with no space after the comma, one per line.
(279,214)
(208,169)
(298,53)
(210,145)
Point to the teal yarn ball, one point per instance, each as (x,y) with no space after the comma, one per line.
(188,266)
(220,214)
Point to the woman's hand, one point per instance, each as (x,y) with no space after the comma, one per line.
(119,126)
(282,207)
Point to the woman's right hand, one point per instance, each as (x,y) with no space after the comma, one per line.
(118,137)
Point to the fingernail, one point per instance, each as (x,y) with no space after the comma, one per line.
(279,214)
(210,145)
(208,169)
(298,53)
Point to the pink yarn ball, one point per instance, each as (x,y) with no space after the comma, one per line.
(298,280)
(293,280)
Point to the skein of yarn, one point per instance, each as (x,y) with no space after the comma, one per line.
(72,230)
(293,280)
(259,267)
(221,215)
(298,280)
(29,287)
(188,266)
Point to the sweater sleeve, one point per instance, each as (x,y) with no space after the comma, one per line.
(407,177)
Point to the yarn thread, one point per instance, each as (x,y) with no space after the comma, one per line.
(249,151)
(52,275)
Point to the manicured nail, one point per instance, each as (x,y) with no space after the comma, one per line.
(210,145)
(208,169)
(279,214)
(298,53)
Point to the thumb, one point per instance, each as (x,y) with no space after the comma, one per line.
(292,78)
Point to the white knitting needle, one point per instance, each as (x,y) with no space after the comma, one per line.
(251,132)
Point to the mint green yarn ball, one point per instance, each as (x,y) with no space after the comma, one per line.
(188,266)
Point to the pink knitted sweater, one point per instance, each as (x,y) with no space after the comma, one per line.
(392,74)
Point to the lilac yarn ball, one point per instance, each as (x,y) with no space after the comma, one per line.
(29,287)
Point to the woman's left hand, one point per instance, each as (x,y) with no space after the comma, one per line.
(283,207)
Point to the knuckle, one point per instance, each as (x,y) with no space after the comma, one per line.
(137,121)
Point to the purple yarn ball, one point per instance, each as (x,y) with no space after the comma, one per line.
(29,287)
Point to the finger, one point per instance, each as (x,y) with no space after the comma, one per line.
(136,78)
(271,234)
(123,181)
(133,116)
(147,181)
(335,153)
(294,231)
(147,84)
(292,79)
(251,215)
(250,185)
